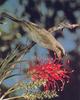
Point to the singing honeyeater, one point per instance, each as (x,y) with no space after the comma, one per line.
(38,34)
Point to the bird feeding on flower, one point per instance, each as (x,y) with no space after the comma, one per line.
(39,35)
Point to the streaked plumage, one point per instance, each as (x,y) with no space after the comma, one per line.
(39,35)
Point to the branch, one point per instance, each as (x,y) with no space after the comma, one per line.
(63,25)
(12,98)
(5,65)
(25,49)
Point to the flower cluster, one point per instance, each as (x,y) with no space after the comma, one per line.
(53,71)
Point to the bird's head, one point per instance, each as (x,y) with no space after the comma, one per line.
(60,52)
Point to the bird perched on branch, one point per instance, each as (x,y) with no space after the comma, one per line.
(38,34)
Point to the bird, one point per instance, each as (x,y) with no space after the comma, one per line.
(38,34)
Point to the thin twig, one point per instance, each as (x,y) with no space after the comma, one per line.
(12,98)
(63,25)
(12,89)
(6,66)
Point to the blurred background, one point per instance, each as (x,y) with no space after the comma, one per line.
(46,13)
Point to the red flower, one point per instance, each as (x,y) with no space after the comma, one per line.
(52,71)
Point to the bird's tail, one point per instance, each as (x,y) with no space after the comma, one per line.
(6,15)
